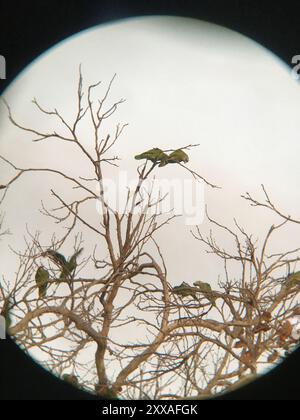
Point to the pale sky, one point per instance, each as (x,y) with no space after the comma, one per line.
(185,81)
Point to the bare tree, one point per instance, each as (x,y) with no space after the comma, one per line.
(191,342)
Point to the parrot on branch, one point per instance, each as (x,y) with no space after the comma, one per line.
(292,281)
(58,258)
(154,155)
(177,156)
(207,291)
(42,279)
(184,290)
(70,266)
(67,267)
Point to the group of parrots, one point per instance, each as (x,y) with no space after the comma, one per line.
(42,277)
(67,269)
(185,290)
(291,283)
(157,156)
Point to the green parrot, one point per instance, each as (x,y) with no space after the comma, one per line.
(184,290)
(42,279)
(71,379)
(293,280)
(207,291)
(67,267)
(177,156)
(58,258)
(5,312)
(70,266)
(155,155)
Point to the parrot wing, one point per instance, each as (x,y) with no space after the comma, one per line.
(42,276)
(147,155)
(203,287)
(74,257)
(70,265)
(65,272)
(206,289)
(164,161)
(184,290)
(178,156)
(293,280)
(155,155)
(162,158)
(43,291)
(41,279)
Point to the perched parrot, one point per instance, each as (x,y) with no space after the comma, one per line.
(70,266)
(184,290)
(155,155)
(71,379)
(67,267)
(177,156)
(293,280)
(207,291)
(41,279)
(58,258)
